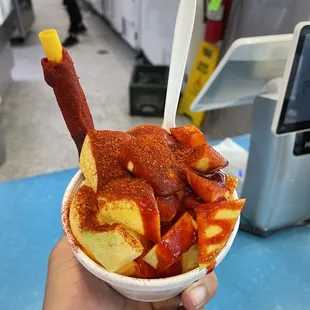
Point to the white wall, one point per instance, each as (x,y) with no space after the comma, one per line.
(157,27)
(198,34)
(5,9)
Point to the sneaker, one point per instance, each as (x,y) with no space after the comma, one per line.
(70,41)
(81,29)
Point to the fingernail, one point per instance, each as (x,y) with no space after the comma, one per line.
(198,295)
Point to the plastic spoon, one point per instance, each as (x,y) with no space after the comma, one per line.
(181,41)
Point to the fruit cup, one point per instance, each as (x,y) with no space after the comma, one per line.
(147,290)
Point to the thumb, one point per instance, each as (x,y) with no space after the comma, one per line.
(200,292)
(170,304)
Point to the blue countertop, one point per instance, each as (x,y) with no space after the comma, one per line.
(257,274)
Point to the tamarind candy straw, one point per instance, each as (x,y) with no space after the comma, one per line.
(60,74)
(51,44)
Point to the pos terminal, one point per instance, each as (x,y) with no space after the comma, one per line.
(277,181)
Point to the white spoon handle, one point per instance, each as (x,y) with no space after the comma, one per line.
(181,41)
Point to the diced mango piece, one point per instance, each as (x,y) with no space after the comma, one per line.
(84,205)
(231,184)
(212,230)
(139,268)
(153,130)
(128,270)
(215,222)
(190,259)
(191,201)
(99,157)
(113,246)
(150,158)
(178,240)
(208,190)
(206,159)
(130,202)
(167,207)
(188,135)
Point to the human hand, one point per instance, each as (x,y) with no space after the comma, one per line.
(70,286)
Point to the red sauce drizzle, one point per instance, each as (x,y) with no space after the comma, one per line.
(167,207)
(174,270)
(150,225)
(176,241)
(211,267)
(206,214)
(191,200)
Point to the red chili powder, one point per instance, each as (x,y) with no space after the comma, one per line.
(153,161)
(105,146)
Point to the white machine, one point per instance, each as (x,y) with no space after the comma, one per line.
(292,112)
(277,179)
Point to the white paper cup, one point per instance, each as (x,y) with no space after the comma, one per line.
(138,289)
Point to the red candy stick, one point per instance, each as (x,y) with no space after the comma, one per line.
(61,76)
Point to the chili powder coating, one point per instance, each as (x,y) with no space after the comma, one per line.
(150,158)
(184,156)
(154,130)
(142,194)
(67,226)
(105,146)
(86,203)
(231,184)
(70,96)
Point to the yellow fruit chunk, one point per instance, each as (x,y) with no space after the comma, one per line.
(206,159)
(99,157)
(231,184)
(215,223)
(131,203)
(188,135)
(113,246)
(178,240)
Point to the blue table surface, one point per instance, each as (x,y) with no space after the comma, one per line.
(262,274)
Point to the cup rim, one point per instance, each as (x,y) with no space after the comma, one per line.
(98,269)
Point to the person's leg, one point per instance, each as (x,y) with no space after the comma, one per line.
(76,22)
